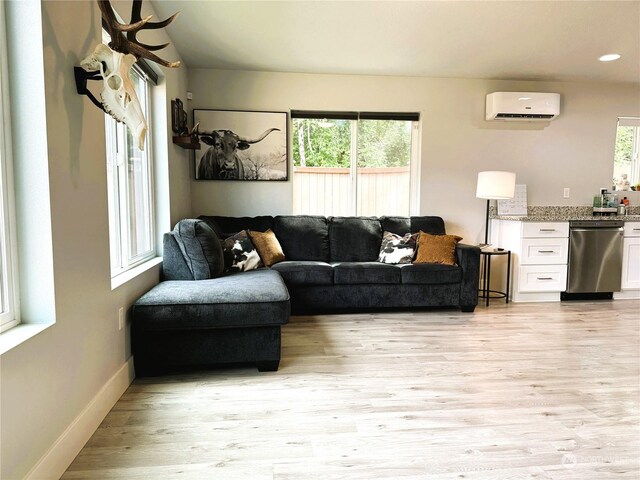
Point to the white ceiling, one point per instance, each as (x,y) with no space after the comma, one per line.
(519,40)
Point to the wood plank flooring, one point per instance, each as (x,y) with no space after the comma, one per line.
(511,392)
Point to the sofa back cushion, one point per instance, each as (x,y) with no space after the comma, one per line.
(430,225)
(227,226)
(354,239)
(200,247)
(398,225)
(403,225)
(303,237)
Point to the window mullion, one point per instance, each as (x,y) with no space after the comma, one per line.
(353,168)
(414,170)
(635,157)
(123,201)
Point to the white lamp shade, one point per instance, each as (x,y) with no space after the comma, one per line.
(496,185)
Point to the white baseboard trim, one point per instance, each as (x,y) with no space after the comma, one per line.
(519,297)
(55,462)
(626,295)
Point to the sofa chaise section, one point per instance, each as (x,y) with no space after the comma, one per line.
(231,319)
(197,317)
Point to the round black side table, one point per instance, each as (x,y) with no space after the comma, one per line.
(485,291)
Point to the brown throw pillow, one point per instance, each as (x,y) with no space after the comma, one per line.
(437,249)
(268,247)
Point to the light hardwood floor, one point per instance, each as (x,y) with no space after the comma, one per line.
(525,391)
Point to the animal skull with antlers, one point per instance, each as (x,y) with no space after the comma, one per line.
(114,63)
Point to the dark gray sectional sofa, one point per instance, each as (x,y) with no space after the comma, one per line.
(331,266)
(331,263)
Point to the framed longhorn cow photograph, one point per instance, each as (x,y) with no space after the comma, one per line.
(239,145)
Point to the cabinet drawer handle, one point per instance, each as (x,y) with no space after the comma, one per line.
(636,229)
(546,251)
(545,278)
(547,229)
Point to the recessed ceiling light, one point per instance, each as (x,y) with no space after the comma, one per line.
(609,57)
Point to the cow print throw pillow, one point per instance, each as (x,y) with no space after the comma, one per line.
(396,248)
(239,253)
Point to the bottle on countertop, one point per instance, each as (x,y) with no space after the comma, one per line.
(625,200)
(622,209)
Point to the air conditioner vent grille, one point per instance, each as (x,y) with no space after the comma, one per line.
(523,115)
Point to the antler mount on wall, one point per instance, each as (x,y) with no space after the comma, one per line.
(112,64)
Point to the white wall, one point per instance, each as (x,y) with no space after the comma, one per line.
(49,380)
(575,150)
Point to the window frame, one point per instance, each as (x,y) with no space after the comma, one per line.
(354,118)
(634,168)
(120,224)
(9,297)
(634,176)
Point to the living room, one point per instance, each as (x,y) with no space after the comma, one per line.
(69,362)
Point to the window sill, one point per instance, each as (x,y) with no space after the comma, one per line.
(124,277)
(19,334)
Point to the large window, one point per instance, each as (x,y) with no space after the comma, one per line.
(626,162)
(349,163)
(8,274)
(130,187)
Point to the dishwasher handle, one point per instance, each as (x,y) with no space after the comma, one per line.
(619,230)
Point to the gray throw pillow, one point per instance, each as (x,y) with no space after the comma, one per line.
(200,247)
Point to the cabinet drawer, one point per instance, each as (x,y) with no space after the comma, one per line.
(632,229)
(542,278)
(545,229)
(544,251)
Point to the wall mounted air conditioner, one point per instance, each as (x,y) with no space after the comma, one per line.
(523,106)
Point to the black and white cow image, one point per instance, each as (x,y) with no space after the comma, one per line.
(397,249)
(239,253)
(221,160)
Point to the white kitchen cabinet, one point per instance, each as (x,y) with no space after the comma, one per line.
(631,261)
(539,257)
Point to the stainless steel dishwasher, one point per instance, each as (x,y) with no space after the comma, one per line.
(595,259)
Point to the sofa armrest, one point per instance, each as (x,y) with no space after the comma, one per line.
(468,257)
(174,266)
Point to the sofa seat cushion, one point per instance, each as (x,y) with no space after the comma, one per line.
(350,273)
(249,299)
(430,273)
(305,272)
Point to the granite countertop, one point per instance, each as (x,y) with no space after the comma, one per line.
(565,214)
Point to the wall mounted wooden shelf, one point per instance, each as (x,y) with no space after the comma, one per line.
(187,142)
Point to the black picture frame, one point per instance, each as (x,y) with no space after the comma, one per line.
(240,145)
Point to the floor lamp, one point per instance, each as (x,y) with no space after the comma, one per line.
(494,186)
